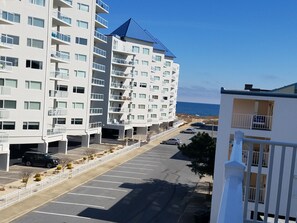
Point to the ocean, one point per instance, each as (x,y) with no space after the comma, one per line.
(200,109)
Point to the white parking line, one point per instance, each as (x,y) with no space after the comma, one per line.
(135,168)
(119,171)
(91,195)
(78,204)
(135,178)
(64,215)
(105,188)
(140,164)
(108,181)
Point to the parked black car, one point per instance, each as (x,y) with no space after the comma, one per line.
(39,159)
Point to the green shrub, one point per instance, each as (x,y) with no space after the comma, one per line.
(38,178)
(37,175)
(59,167)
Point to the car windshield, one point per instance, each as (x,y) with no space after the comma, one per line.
(48,156)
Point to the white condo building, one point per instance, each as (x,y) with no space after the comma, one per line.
(51,63)
(268,120)
(141,82)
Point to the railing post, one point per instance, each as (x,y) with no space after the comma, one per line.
(231,207)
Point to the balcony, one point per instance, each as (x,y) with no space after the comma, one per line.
(5,91)
(100,37)
(5,66)
(59,75)
(94,125)
(59,38)
(96,111)
(97,97)
(123,50)
(123,62)
(60,20)
(56,130)
(6,42)
(119,86)
(57,112)
(4,113)
(119,73)
(101,7)
(249,121)
(98,67)
(58,94)
(252,194)
(100,22)
(255,158)
(99,52)
(6,18)
(63,3)
(59,57)
(98,82)
(118,122)
(117,110)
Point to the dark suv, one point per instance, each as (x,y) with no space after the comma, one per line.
(39,159)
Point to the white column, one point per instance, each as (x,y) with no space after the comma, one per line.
(63,145)
(85,141)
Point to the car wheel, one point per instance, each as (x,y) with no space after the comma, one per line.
(28,163)
(49,165)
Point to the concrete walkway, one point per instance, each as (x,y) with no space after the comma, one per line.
(29,204)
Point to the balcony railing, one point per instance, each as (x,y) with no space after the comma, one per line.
(103,5)
(100,36)
(58,94)
(57,112)
(101,21)
(59,75)
(63,3)
(249,121)
(6,41)
(252,194)
(6,17)
(122,61)
(98,82)
(96,111)
(5,66)
(255,158)
(119,85)
(99,67)
(5,90)
(61,37)
(98,97)
(61,56)
(118,122)
(58,15)
(93,125)
(4,113)
(121,73)
(56,130)
(99,52)
(117,109)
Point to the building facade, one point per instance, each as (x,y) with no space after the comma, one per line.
(51,60)
(141,80)
(268,116)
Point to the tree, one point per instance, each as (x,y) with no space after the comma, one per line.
(201,151)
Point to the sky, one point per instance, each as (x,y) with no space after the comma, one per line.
(219,43)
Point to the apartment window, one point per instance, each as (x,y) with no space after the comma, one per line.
(60,121)
(33,85)
(167,63)
(133,106)
(166,73)
(153,115)
(8,104)
(14,61)
(38,2)
(165,98)
(32,105)
(13,17)
(158,58)
(156,78)
(77,105)
(156,87)
(136,61)
(80,73)
(80,90)
(165,89)
(140,117)
(146,51)
(155,97)
(11,39)
(163,114)
(145,63)
(154,106)
(82,24)
(135,73)
(34,64)
(62,87)
(142,95)
(134,95)
(135,49)
(61,104)
(157,68)
(35,43)
(141,106)
(8,82)
(83,7)
(143,85)
(164,106)
(35,22)
(81,57)
(166,81)
(131,117)
(81,41)
(7,125)
(31,125)
(144,74)
(76,121)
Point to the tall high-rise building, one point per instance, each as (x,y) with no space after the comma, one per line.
(51,61)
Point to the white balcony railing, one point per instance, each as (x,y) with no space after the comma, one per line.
(98,82)
(4,113)
(102,5)
(98,97)
(59,55)
(121,73)
(61,17)
(5,90)
(96,111)
(99,67)
(99,51)
(100,36)
(5,66)
(5,40)
(57,112)
(122,61)
(56,130)
(59,75)
(117,109)
(249,121)
(93,125)
(101,21)
(61,37)
(255,158)
(58,94)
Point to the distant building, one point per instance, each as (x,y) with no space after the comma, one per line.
(141,83)
(264,115)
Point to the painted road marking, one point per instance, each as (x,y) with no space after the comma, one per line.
(135,178)
(108,181)
(64,215)
(134,168)
(92,195)
(105,188)
(78,204)
(140,164)
(119,171)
